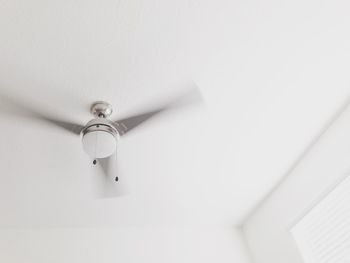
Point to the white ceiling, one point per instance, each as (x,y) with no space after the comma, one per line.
(271,74)
(127,245)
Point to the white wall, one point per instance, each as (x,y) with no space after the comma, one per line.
(124,245)
(325,163)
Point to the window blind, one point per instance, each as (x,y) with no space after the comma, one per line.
(323,234)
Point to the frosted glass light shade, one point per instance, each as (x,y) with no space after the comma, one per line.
(99,144)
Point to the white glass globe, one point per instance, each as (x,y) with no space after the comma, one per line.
(99,144)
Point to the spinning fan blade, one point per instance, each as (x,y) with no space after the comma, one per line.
(189,98)
(12,106)
(109,183)
(68,126)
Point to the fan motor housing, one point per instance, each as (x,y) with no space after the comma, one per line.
(100,124)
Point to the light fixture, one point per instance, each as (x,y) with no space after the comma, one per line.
(99,144)
(99,137)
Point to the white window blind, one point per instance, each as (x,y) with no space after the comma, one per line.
(323,235)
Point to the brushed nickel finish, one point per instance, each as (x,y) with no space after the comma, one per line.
(100,124)
(101,109)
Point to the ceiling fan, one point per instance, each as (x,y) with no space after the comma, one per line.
(101,134)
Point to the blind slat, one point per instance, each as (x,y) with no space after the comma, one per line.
(323,234)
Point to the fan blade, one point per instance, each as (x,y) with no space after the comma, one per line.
(127,124)
(109,184)
(189,98)
(12,106)
(68,126)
